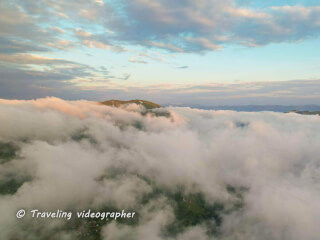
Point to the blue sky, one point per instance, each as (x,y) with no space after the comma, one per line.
(210,52)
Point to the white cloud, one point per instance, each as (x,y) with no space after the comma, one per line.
(83,155)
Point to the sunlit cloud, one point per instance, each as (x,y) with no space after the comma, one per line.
(158,163)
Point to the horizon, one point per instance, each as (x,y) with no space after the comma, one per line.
(238,108)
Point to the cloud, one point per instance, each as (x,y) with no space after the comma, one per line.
(84,82)
(8,46)
(208,25)
(24,58)
(235,175)
(101,45)
(126,76)
(146,55)
(183,67)
(134,60)
(182,26)
(57,29)
(82,33)
(29,75)
(97,41)
(19,27)
(29,29)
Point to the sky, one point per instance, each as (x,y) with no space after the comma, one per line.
(182,52)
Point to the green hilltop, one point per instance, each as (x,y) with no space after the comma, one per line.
(118,103)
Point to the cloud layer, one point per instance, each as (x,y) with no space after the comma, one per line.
(207,25)
(179,26)
(257,174)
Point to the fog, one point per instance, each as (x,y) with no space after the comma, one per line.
(257,174)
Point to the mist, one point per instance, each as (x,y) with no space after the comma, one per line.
(187,173)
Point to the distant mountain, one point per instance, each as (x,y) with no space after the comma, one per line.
(118,103)
(303,109)
(259,108)
(306,112)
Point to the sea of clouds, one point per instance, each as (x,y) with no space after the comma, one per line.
(77,155)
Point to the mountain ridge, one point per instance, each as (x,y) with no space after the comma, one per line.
(118,103)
